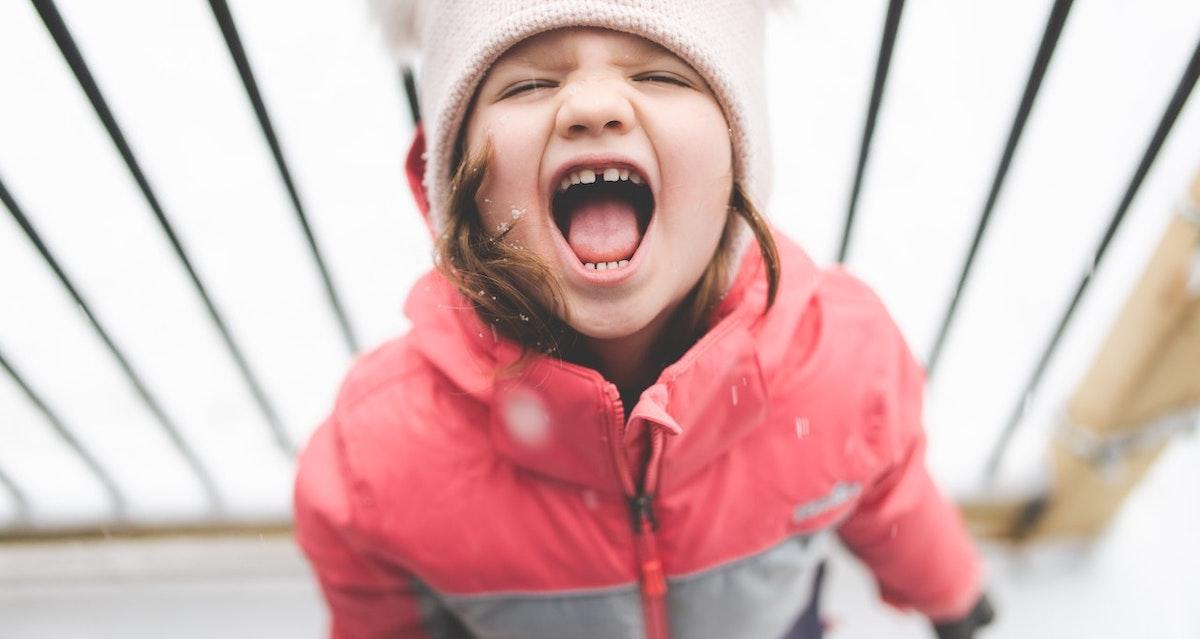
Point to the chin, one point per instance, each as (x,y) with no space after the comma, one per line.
(609,321)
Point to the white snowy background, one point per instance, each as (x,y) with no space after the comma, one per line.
(337,104)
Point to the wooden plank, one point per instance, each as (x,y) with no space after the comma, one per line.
(1147,370)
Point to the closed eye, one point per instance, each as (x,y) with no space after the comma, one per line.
(665,78)
(521,88)
(537,84)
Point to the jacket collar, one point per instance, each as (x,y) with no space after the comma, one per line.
(566,422)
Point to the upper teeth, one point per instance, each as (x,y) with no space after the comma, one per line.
(588,176)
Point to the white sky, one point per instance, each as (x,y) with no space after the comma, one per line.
(957,74)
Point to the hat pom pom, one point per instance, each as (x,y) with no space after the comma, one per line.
(400,21)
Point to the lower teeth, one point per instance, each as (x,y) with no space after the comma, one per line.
(605,266)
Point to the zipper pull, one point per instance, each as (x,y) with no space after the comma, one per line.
(642,508)
(654,583)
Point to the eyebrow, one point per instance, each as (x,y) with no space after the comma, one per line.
(555,59)
(558,59)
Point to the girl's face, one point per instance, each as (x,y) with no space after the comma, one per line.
(567,101)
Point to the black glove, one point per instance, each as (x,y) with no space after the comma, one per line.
(980,616)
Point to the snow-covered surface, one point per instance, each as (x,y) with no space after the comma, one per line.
(1138,580)
(337,104)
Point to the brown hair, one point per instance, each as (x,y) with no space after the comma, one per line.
(497,276)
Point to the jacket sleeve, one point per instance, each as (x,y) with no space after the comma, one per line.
(366,598)
(911,537)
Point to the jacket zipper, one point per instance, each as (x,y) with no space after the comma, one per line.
(641,506)
(654,582)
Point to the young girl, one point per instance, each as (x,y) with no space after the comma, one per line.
(626,407)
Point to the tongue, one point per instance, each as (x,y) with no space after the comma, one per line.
(603,229)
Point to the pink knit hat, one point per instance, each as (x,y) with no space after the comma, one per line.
(458,40)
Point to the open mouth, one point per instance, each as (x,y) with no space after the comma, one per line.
(602,216)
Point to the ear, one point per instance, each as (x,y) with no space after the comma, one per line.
(414,168)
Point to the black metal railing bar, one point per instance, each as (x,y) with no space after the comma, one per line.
(410,92)
(20,501)
(1045,52)
(882,65)
(233,42)
(140,387)
(1182,90)
(66,44)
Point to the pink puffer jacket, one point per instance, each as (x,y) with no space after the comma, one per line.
(441,500)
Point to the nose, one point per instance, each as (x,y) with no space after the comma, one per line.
(592,108)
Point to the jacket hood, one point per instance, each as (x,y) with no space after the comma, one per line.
(414,170)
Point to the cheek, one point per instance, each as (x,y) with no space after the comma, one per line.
(511,184)
(697,164)
(695,143)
